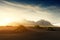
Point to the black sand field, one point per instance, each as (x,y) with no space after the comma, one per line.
(48,35)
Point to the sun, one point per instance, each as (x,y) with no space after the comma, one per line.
(5,21)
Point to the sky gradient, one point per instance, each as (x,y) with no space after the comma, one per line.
(34,10)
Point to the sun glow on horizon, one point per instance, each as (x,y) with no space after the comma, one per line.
(15,12)
(5,21)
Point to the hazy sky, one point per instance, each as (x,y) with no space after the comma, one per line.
(34,10)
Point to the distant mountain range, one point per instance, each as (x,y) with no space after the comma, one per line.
(42,23)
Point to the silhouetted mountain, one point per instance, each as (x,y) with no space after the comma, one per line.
(41,23)
(44,23)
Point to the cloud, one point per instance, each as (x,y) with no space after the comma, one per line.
(55,11)
(29,12)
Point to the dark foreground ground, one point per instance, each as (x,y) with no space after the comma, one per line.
(47,35)
(30,33)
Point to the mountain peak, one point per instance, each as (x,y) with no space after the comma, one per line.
(44,23)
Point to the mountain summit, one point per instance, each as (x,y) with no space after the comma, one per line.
(44,23)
